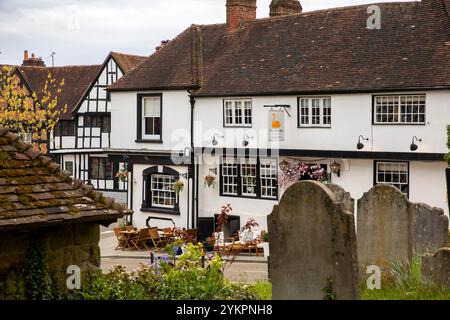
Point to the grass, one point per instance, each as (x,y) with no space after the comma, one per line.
(404,282)
(263,289)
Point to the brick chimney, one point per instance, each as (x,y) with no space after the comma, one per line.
(239,11)
(162,45)
(33,61)
(285,7)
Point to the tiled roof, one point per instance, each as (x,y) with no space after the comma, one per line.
(313,52)
(34,192)
(127,62)
(77,80)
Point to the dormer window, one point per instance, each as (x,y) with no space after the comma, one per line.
(149,118)
(238,113)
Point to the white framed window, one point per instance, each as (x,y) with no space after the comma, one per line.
(393,173)
(151,120)
(314,112)
(269,178)
(238,113)
(230,177)
(400,109)
(248,177)
(162,192)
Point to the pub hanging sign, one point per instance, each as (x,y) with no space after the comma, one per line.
(277,116)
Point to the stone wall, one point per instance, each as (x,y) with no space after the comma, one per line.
(313,242)
(391,228)
(67,245)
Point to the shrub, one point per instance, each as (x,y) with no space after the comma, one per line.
(167,279)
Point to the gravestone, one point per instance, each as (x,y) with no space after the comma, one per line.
(391,228)
(312,245)
(436,267)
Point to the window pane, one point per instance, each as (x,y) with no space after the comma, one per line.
(94,168)
(400,109)
(230,177)
(269,178)
(162,192)
(248,177)
(109,167)
(106,124)
(152,107)
(393,173)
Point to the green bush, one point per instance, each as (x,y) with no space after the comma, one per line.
(167,279)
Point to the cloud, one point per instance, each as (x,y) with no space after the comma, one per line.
(84,31)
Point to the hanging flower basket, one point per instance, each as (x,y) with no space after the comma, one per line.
(210,181)
(178,187)
(122,175)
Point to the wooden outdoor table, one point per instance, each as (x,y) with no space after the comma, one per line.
(128,235)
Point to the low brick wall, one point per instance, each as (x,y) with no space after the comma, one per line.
(65,246)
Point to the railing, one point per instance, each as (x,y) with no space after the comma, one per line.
(157,218)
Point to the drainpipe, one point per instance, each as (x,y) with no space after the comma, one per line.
(192,171)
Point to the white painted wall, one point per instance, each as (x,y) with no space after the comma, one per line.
(351,117)
(427,185)
(176,121)
(140,217)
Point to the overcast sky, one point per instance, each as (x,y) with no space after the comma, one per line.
(85,31)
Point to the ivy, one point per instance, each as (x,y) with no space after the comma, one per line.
(38,283)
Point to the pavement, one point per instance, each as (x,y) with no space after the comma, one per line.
(243,268)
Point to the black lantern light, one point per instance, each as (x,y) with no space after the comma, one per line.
(360,145)
(414,146)
(335,168)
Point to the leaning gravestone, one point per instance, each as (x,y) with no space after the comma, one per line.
(312,245)
(436,267)
(391,228)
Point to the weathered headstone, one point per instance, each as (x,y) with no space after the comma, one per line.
(391,228)
(436,267)
(312,245)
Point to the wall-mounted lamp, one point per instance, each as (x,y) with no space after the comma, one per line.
(284,166)
(214,141)
(213,171)
(360,145)
(414,146)
(246,140)
(335,168)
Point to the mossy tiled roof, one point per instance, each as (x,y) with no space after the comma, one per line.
(35,192)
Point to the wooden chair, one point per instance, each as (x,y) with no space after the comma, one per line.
(121,242)
(156,238)
(141,240)
(191,235)
(168,235)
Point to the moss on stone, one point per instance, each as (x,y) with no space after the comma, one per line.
(25,199)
